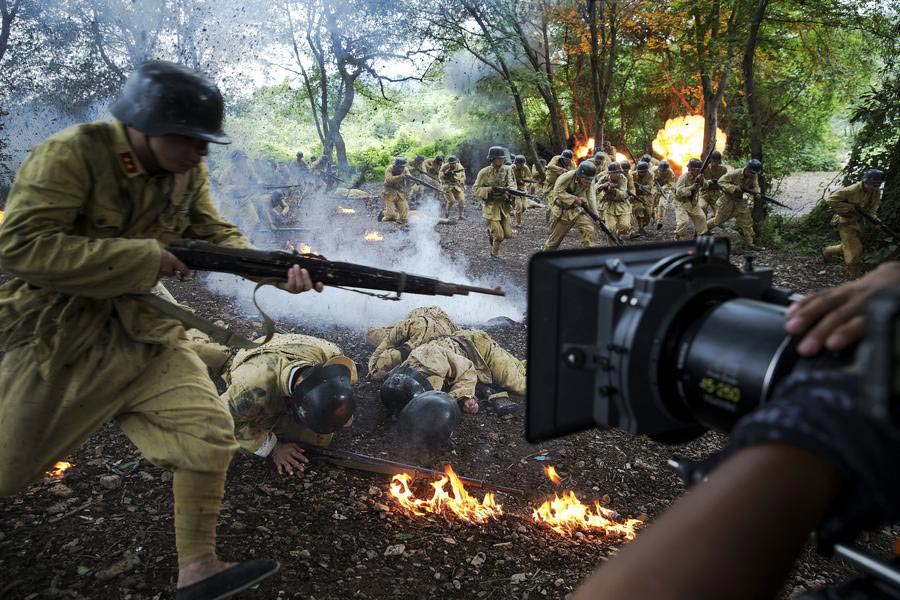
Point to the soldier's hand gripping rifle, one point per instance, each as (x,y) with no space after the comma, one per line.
(371,464)
(424,183)
(261,264)
(515,192)
(766,198)
(700,174)
(877,222)
(601,224)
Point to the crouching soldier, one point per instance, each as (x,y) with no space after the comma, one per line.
(296,388)
(573,194)
(396,342)
(866,195)
(735,187)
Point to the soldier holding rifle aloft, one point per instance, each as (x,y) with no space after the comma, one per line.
(846,203)
(85,226)
(496,203)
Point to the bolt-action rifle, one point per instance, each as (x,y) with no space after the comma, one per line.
(877,222)
(766,198)
(260,264)
(424,183)
(515,192)
(371,464)
(601,224)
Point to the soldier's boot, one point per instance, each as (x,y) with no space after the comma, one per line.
(856,270)
(462,213)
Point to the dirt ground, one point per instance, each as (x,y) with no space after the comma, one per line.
(105,529)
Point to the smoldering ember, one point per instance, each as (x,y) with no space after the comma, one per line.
(558,350)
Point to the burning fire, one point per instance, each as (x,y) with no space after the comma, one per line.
(682,139)
(566,514)
(457,501)
(59,469)
(620,157)
(373,236)
(581,152)
(301,247)
(1,217)
(346,211)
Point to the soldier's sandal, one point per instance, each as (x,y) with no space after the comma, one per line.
(229,582)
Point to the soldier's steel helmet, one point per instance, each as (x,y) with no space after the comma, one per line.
(587,170)
(428,421)
(606,143)
(873,176)
(399,161)
(452,159)
(418,158)
(754,166)
(496,152)
(614,167)
(715,155)
(567,154)
(323,400)
(162,98)
(626,166)
(643,166)
(439,158)
(646,158)
(694,163)
(400,386)
(599,156)
(520,159)
(663,165)
(299,155)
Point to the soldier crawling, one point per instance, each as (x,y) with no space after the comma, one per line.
(394,343)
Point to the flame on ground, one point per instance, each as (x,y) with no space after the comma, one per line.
(346,211)
(301,247)
(566,514)
(457,501)
(373,236)
(59,469)
(582,151)
(682,139)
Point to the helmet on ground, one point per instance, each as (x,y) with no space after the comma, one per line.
(452,159)
(614,167)
(428,421)
(715,155)
(694,163)
(400,386)
(399,161)
(496,152)
(754,166)
(567,154)
(643,167)
(162,98)
(520,159)
(663,165)
(587,170)
(873,176)
(323,400)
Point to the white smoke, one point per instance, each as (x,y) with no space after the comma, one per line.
(417,252)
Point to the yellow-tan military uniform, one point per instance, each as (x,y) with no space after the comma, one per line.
(82,235)
(416,190)
(601,160)
(850,224)
(457,363)
(555,168)
(709,197)
(566,214)
(432,167)
(453,182)
(395,205)
(665,179)
(495,208)
(521,173)
(422,325)
(260,381)
(537,185)
(642,203)
(611,152)
(615,207)
(687,207)
(733,203)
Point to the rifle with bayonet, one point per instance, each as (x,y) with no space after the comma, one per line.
(877,222)
(424,183)
(261,264)
(515,192)
(766,198)
(371,464)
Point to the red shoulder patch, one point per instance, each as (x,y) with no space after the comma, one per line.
(128,163)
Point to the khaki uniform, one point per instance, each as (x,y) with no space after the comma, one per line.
(850,224)
(666,180)
(615,208)
(521,173)
(565,214)
(537,186)
(422,325)
(611,152)
(457,363)
(82,234)
(260,381)
(554,169)
(432,167)
(602,162)
(642,204)
(733,204)
(495,209)
(416,190)
(709,198)
(395,205)
(454,186)
(687,208)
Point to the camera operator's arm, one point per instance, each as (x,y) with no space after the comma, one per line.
(834,318)
(733,536)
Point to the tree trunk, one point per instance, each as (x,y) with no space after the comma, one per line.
(7,16)
(596,69)
(756,135)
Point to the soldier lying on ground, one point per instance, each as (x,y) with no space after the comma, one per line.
(83,237)
(425,418)
(394,343)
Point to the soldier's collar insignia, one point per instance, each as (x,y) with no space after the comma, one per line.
(129,164)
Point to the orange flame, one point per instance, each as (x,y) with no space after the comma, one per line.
(301,247)
(346,211)
(59,469)
(620,157)
(582,151)
(373,236)
(1,217)
(566,514)
(553,475)
(457,501)
(682,139)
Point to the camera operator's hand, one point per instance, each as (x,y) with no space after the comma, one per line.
(837,315)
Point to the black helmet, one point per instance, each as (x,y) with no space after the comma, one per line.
(715,155)
(162,98)
(400,386)
(496,152)
(754,166)
(452,159)
(520,159)
(299,155)
(324,399)
(873,176)
(439,158)
(599,156)
(567,154)
(419,158)
(626,166)
(614,167)
(643,166)
(399,161)
(586,169)
(694,163)
(428,421)
(606,143)
(663,165)
(646,158)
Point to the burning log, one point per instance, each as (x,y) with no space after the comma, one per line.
(300,247)
(59,469)
(373,236)
(457,501)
